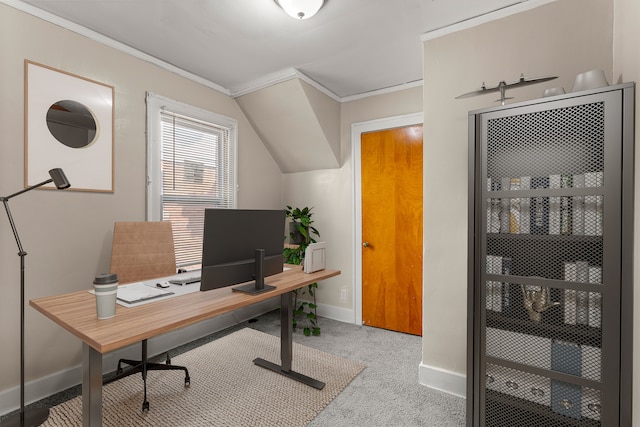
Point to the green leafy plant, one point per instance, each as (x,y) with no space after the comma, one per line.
(302,234)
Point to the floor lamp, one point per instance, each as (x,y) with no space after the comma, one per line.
(36,416)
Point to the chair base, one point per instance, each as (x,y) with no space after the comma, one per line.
(145,365)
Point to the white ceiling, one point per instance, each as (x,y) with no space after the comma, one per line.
(349,48)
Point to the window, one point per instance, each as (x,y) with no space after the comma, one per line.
(191,166)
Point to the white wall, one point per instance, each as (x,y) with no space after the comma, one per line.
(67,234)
(562,39)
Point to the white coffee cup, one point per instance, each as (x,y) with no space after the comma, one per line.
(105,287)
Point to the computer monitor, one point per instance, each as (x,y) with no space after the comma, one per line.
(241,245)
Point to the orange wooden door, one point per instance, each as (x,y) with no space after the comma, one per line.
(391,185)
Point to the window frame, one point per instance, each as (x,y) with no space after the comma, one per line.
(155,105)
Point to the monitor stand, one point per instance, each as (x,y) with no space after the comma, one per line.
(258,286)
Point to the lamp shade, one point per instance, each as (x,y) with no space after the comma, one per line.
(59,178)
(300,9)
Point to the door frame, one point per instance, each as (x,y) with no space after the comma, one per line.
(357,129)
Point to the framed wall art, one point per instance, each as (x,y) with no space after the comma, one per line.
(68,125)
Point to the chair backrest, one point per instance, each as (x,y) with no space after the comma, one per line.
(142,251)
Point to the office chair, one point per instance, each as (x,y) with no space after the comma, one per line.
(142,251)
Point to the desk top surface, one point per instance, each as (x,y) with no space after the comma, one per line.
(76,311)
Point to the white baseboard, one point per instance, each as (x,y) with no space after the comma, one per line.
(336,313)
(443,380)
(436,378)
(62,380)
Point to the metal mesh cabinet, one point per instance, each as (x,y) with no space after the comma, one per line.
(550,263)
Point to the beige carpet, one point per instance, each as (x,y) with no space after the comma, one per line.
(227,389)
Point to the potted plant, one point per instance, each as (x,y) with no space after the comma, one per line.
(302,234)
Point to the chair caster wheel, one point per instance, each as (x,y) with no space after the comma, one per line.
(145,407)
(187,382)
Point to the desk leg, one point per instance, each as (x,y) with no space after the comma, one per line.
(91,387)
(286,346)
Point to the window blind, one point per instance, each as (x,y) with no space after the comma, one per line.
(197,173)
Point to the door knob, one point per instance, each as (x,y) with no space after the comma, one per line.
(365,244)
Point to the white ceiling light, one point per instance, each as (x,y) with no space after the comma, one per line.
(300,9)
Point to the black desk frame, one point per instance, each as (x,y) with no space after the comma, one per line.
(92,366)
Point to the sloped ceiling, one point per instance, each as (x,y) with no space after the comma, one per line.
(299,125)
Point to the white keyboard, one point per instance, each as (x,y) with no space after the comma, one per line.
(187,278)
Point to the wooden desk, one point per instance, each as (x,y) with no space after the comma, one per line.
(76,312)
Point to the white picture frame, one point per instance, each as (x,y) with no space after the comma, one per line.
(89,167)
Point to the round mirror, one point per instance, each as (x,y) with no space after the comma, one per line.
(71,123)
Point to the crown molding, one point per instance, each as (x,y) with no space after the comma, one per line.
(513,9)
(279,77)
(390,89)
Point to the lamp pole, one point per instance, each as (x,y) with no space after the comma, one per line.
(36,416)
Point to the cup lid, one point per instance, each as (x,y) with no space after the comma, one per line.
(103,279)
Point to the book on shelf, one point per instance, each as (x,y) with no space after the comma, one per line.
(599,204)
(494,224)
(570,294)
(505,208)
(488,206)
(595,274)
(566,398)
(488,292)
(525,206)
(514,207)
(566,215)
(488,295)
(577,204)
(494,288)
(590,203)
(582,297)
(595,309)
(554,205)
(496,268)
(566,357)
(595,298)
(539,207)
(507,291)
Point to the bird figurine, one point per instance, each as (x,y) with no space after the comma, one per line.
(536,301)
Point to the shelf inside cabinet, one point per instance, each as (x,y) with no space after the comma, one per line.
(545,237)
(578,334)
(507,411)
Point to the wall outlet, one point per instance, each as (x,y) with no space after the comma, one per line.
(343,294)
